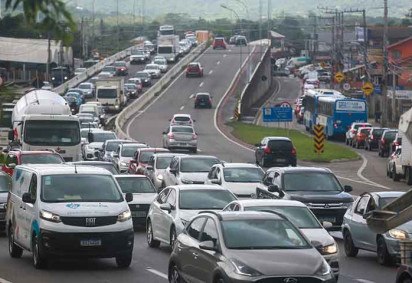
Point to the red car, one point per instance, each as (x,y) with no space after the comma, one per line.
(17,157)
(141,158)
(194,69)
(361,136)
(121,68)
(219,42)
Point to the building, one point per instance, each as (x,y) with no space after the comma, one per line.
(400,62)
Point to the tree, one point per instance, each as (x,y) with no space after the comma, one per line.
(55,18)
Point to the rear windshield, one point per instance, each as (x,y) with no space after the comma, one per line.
(108,166)
(129,151)
(197,164)
(310,181)
(85,86)
(135,185)
(280,145)
(357,126)
(163,162)
(182,119)
(182,130)
(390,135)
(202,96)
(144,156)
(365,131)
(219,40)
(378,132)
(112,146)
(41,159)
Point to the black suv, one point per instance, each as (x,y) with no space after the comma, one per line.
(203,100)
(372,140)
(318,188)
(385,143)
(275,151)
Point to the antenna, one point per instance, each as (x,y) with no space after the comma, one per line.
(75,168)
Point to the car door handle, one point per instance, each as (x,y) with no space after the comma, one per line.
(195,255)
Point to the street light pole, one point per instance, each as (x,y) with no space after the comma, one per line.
(240,24)
(242,2)
(118,31)
(384,104)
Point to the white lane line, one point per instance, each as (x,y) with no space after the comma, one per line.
(157,272)
(192,96)
(360,170)
(201,84)
(224,55)
(218,63)
(4,281)
(210,72)
(364,281)
(181,108)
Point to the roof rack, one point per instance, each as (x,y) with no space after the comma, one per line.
(212,212)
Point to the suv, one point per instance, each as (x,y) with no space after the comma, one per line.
(360,137)
(219,42)
(351,133)
(17,157)
(65,216)
(384,144)
(203,99)
(141,159)
(275,151)
(318,188)
(194,69)
(241,40)
(372,140)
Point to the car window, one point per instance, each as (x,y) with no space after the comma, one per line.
(162,162)
(33,187)
(242,175)
(310,181)
(362,204)
(171,199)
(41,159)
(162,196)
(193,230)
(197,164)
(129,151)
(204,199)
(182,130)
(135,185)
(144,156)
(209,232)
(280,145)
(5,183)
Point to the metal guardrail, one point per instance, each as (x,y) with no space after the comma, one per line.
(135,107)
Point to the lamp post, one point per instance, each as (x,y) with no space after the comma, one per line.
(240,25)
(243,3)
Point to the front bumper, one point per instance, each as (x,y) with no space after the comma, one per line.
(279,160)
(139,213)
(235,278)
(333,261)
(92,155)
(332,215)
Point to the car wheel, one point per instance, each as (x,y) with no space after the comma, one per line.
(384,257)
(124,261)
(350,249)
(39,261)
(388,172)
(149,236)
(395,176)
(219,279)
(173,237)
(174,275)
(406,280)
(14,250)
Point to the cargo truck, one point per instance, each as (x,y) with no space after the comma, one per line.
(168,47)
(110,93)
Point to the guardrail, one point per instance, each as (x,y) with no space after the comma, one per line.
(135,107)
(92,70)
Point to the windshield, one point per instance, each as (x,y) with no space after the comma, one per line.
(365,131)
(148,67)
(386,200)
(144,156)
(378,132)
(160,62)
(108,166)
(204,199)
(243,175)
(5,183)
(5,119)
(109,69)
(181,119)
(129,151)
(197,164)
(310,181)
(164,49)
(142,75)
(41,159)
(390,135)
(182,130)
(112,146)
(102,137)
(120,64)
(52,132)
(262,234)
(131,86)
(79,188)
(301,217)
(135,185)
(107,93)
(85,86)
(163,162)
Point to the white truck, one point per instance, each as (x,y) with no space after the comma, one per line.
(41,120)
(110,93)
(405,131)
(168,47)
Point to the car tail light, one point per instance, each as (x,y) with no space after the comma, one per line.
(353,131)
(293,151)
(210,100)
(267,150)
(194,137)
(171,136)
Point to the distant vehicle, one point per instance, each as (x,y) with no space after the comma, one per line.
(110,93)
(88,89)
(89,125)
(109,147)
(394,168)
(166,30)
(153,70)
(219,43)
(384,144)
(141,158)
(168,46)
(275,151)
(123,155)
(121,68)
(89,63)
(182,120)
(203,100)
(100,164)
(79,71)
(353,130)
(96,138)
(180,137)
(47,86)
(373,138)
(145,78)
(6,122)
(194,69)
(162,63)
(396,142)
(131,90)
(138,56)
(240,40)
(110,69)
(150,46)
(5,186)
(137,82)
(60,75)
(361,135)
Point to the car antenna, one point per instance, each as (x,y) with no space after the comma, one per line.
(75,168)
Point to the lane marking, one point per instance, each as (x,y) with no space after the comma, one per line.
(224,55)
(210,72)
(157,272)
(181,108)
(201,84)
(218,63)
(192,96)
(360,170)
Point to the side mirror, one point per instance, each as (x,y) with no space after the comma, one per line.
(164,133)
(347,188)
(12,165)
(273,189)
(208,245)
(216,181)
(166,206)
(327,224)
(90,137)
(11,135)
(173,171)
(27,198)
(129,197)
(149,167)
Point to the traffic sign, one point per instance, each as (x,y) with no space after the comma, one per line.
(367,88)
(318,138)
(346,86)
(339,77)
(277,114)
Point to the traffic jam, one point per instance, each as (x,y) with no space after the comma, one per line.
(71,188)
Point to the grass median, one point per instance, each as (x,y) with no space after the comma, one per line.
(253,134)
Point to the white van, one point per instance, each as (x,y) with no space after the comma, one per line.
(64,211)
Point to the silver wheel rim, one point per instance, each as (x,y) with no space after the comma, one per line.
(175,275)
(149,233)
(172,239)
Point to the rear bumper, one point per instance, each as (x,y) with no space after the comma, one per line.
(182,144)
(280,161)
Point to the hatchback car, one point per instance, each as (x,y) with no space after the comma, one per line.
(203,100)
(180,137)
(153,70)
(145,78)
(131,90)
(372,140)
(194,69)
(219,43)
(176,205)
(121,68)
(351,133)
(385,143)
(88,89)
(162,63)
(182,120)
(124,154)
(245,247)
(275,151)
(357,235)
(360,137)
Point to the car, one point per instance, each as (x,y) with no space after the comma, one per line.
(79,71)
(251,246)
(357,235)
(109,147)
(74,100)
(180,137)
(78,90)
(194,69)
(162,63)
(299,116)
(144,193)
(153,70)
(124,154)
(5,186)
(219,43)
(105,75)
(353,129)
(141,158)
(137,82)
(318,188)
(360,137)
(156,168)
(185,46)
(241,40)
(149,46)
(100,164)
(88,89)
(131,90)
(112,70)
(159,57)
(275,151)
(145,78)
(404,274)
(384,144)
(89,125)
(96,138)
(394,168)
(18,157)
(138,56)
(86,118)
(232,40)
(189,169)
(372,140)
(121,68)
(203,100)
(240,178)
(92,109)
(181,120)
(67,216)
(176,205)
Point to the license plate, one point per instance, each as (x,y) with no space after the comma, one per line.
(90,243)
(328,219)
(280,160)
(138,213)
(182,143)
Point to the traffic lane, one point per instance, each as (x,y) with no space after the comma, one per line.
(146,266)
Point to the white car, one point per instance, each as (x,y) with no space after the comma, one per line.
(162,64)
(303,218)
(153,70)
(96,138)
(394,168)
(182,120)
(240,178)
(64,214)
(124,153)
(88,89)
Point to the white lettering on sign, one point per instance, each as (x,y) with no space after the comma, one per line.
(347,105)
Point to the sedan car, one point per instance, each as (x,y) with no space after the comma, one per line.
(5,186)
(153,70)
(141,159)
(109,147)
(245,247)
(145,78)
(124,154)
(162,63)
(180,137)
(301,216)
(110,69)
(88,89)
(176,205)
(182,120)
(394,168)
(138,57)
(131,90)
(203,100)
(357,235)
(194,69)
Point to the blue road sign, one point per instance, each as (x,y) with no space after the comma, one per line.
(277,114)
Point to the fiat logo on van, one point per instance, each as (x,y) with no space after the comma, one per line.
(90,221)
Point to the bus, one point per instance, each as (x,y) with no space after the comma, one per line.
(166,30)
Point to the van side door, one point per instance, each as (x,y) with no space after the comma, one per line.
(30,223)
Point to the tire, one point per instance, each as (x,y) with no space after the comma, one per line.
(406,280)
(395,177)
(14,250)
(384,257)
(408,175)
(149,236)
(219,279)
(39,261)
(350,249)
(124,261)
(173,237)
(174,275)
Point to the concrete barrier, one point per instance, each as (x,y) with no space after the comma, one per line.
(158,87)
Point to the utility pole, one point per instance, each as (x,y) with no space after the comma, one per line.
(384,102)
(394,95)
(269,17)
(83,38)
(260,19)
(118,30)
(48,57)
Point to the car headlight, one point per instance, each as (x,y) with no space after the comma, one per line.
(243,269)
(324,269)
(186,181)
(116,106)
(3,205)
(398,234)
(330,249)
(49,216)
(124,216)
(90,147)
(160,177)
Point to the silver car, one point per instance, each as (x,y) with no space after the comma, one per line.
(176,205)
(109,147)
(124,153)
(357,235)
(153,70)
(162,63)
(300,215)
(88,89)
(180,137)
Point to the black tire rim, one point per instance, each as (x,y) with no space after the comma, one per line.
(175,276)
